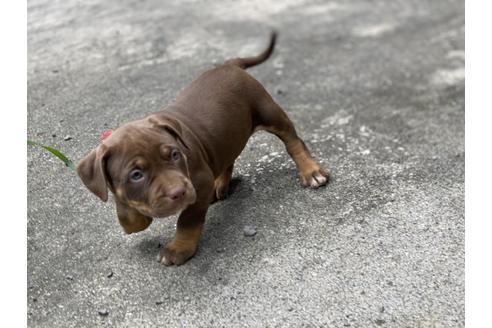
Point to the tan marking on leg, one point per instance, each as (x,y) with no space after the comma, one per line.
(311,173)
(222,183)
(188,236)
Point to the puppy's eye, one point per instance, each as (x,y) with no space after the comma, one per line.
(136,175)
(175,155)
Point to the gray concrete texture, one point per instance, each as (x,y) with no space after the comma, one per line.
(376,88)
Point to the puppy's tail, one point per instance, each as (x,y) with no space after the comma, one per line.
(245,63)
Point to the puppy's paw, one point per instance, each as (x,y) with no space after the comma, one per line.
(314,177)
(176,253)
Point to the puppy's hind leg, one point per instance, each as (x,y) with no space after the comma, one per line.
(222,184)
(274,120)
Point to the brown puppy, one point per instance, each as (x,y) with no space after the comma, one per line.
(181,159)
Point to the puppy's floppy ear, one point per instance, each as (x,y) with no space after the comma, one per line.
(131,220)
(91,170)
(171,125)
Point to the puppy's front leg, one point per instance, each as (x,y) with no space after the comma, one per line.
(188,231)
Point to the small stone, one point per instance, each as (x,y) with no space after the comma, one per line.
(110,274)
(69,277)
(159,302)
(290,309)
(279,90)
(55,71)
(249,230)
(381,309)
(53,135)
(380,322)
(68,138)
(103,312)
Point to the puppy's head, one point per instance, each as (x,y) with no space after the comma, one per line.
(144,164)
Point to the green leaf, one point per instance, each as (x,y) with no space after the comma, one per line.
(55,152)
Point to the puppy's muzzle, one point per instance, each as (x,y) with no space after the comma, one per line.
(172,200)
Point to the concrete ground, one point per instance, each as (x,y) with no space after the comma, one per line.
(376,88)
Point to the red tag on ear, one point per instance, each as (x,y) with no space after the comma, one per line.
(106,133)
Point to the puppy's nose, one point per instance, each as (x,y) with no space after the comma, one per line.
(177,193)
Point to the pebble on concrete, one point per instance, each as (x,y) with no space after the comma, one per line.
(103,313)
(249,230)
